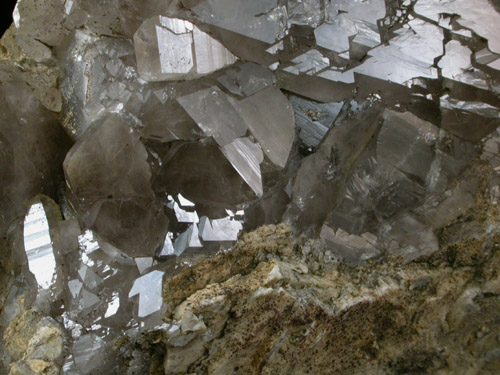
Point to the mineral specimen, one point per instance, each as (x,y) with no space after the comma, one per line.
(257,187)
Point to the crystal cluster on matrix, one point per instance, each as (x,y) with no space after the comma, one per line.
(139,137)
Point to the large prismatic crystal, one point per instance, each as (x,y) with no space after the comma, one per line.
(179,177)
(117,203)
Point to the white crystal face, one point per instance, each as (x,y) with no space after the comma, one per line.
(310,62)
(87,242)
(184,202)
(38,246)
(246,156)
(16,17)
(174,49)
(68,6)
(184,216)
(188,239)
(148,287)
(113,305)
(224,229)
(168,246)
(479,16)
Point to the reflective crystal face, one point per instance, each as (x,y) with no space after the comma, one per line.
(180,49)
(137,138)
(38,246)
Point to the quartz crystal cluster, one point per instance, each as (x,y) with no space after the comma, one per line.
(137,138)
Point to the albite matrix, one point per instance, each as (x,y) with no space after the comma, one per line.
(250,187)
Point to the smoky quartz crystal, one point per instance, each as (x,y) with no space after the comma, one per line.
(139,137)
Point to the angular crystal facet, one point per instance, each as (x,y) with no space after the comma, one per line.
(247,79)
(479,16)
(118,206)
(38,246)
(269,116)
(148,287)
(174,49)
(246,156)
(410,54)
(262,20)
(219,230)
(314,119)
(214,114)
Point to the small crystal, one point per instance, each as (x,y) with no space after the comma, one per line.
(87,300)
(187,239)
(168,246)
(89,277)
(184,202)
(219,230)
(38,246)
(148,287)
(87,242)
(113,305)
(185,216)
(75,286)
(143,263)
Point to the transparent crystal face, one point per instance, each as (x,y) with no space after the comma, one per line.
(38,246)
(178,128)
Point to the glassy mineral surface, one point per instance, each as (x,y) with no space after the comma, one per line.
(139,140)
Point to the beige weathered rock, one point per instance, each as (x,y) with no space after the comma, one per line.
(273,314)
(35,344)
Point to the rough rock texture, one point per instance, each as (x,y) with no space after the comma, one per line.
(277,306)
(35,344)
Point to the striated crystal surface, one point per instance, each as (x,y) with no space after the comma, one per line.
(174,49)
(314,119)
(269,116)
(246,156)
(38,246)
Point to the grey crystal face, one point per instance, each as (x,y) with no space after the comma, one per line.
(137,138)
(262,20)
(214,114)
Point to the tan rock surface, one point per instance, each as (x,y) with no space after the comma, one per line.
(268,313)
